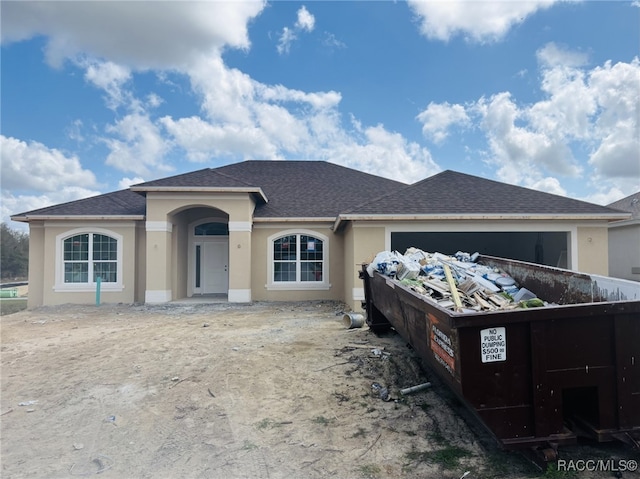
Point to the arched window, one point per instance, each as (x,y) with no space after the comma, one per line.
(89,256)
(298,260)
(83,256)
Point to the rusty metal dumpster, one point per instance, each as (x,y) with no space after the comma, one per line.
(534,377)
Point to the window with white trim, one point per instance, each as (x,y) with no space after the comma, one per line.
(88,256)
(298,258)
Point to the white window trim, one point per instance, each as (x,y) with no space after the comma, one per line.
(298,285)
(61,287)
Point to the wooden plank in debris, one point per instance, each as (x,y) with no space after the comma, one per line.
(482,302)
(439,286)
(498,300)
(452,286)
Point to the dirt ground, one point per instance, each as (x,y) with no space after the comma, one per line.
(266,390)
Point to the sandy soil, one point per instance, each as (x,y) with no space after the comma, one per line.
(272,391)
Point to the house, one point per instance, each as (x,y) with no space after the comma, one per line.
(624,240)
(290,230)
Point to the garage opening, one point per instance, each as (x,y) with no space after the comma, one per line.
(548,248)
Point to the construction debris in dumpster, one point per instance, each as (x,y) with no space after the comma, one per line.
(455,282)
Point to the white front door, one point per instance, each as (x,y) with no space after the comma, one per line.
(212,266)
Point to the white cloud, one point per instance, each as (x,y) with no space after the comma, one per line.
(241,118)
(246,119)
(137,145)
(591,112)
(617,127)
(137,34)
(204,141)
(33,166)
(479,21)
(12,203)
(125,182)
(386,154)
(305,21)
(154,100)
(286,39)
(74,131)
(226,93)
(521,154)
(439,117)
(331,41)
(284,130)
(34,176)
(554,55)
(607,195)
(109,77)
(548,185)
(317,100)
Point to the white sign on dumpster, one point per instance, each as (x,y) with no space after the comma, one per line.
(493,344)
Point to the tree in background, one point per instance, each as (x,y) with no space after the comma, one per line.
(14,253)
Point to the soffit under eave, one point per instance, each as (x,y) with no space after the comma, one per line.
(343,219)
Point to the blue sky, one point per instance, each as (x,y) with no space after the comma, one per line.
(97,96)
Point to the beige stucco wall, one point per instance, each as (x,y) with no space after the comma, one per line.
(43,268)
(260,253)
(167,249)
(155,251)
(179,257)
(624,252)
(362,242)
(593,249)
(240,265)
(141,259)
(36,264)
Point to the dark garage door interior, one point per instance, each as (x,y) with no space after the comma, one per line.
(549,248)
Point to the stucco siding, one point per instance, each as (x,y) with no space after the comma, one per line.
(362,242)
(55,291)
(593,249)
(260,246)
(140,262)
(179,259)
(624,252)
(36,264)
(238,206)
(240,264)
(168,251)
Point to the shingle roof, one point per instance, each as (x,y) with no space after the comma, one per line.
(117,203)
(206,177)
(456,193)
(318,189)
(630,204)
(308,189)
